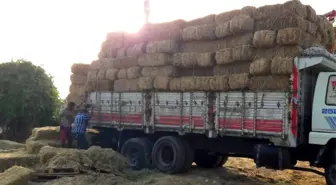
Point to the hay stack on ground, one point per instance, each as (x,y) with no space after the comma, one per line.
(20,157)
(6,145)
(78,83)
(16,176)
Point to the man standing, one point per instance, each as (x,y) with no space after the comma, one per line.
(79,130)
(67,117)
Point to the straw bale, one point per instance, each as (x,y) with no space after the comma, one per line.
(202,32)
(122,74)
(95,65)
(197,71)
(223,30)
(78,79)
(241,40)
(238,81)
(227,16)
(121,52)
(224,56)
(206,59)
(91,86)
(270,53)
(9,145)
(134,72)
(111,74)
(161,83)
(80,69)
(260,66)
(75,98)
(235,68)
(76,89)
(276,23)
(45,133)
(219,83)
(164,34)
(135,38)
(124,63)
(271,83)
(312,28)
(105,85)
(202,83)
(126,85)
(264,38)
(164,46)
(188,83)
(164,71)
(179,23)
(157,59)
(241,24)
(105,62)
(185,60)
(175,84)
(136,50)
(243,53)
(282,65)
(115,39)
(101,74)
(146,83)
(19,157)
(289,36)
(34,147)
(16,175)
(206,20)
(249,10)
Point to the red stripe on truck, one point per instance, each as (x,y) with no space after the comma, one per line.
(261,124)
(198,121)
(294,107)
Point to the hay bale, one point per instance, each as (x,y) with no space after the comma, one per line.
(111,74)
(203,32)
(236,68)
(249,10)
(223,30)
(101,74)
(122,74)
(241,24)
(165,71)
(260,67)
(10,145)
(206,59)
(206,20)
(134,72)
(34,147)
(224,56)
(264,38)
(80,69)
(16,175)
(289,36)
(157,59)
(202,83)
(272,83)
(121,52)
(165,46)
(19,157)
(179,23)
(105,85)
(95,65)
(91,86)
(45,133)
(146,83)
(281,10)
(283,51)
(78,79)
(161,83)
(190,60)
(243,53)
(219,83)
(136,50)
(188,83)
(276,23)
(164,34)
(238,81)
(126,85)
(92,75)
(175,84)
(197,71)
(76,89)
(227,16)
(282,65)
(124,63)
(312,28)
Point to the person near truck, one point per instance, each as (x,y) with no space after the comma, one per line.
(79,129)
(67,116)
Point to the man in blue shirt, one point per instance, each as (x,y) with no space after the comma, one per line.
(79,130)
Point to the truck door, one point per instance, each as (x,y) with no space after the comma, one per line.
(324,109)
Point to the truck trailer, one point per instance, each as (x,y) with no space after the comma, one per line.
(171,130)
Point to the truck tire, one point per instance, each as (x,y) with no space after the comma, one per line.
(137,152)
(189,156)
(205,160)
(330,174)
(222,161)
(169,155)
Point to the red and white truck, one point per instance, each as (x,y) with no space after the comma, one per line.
(171,130)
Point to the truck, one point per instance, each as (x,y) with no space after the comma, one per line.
(171,130)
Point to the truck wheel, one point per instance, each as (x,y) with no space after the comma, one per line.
(330,174)
(205,160)
(222,161)
(169,154)
(189,156)
(137,152)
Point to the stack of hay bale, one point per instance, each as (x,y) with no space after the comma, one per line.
(78,83)
(251,48)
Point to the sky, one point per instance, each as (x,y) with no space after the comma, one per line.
(57,33)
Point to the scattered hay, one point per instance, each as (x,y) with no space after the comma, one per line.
(203,32)
(146,83)
(241,24)
(126,85)
(282,65)
(219,83)
(223,30)
(101,74)
(80,69)
(264,38)
(34,147)
(224,56)
(136,50)
(78,79)
(122,74)
(260,67)
(165,46)
(134,72)
(235,68)
(10,145)
(19,157)
(157,59)
(124,63)
(111,74)
(272,83)
(190,60)
(92,75)
(165,71)
(238,81)
(243,53)
(277,23)
(207,20)
(227,16)
(161,83)
(16,175)
(289,36)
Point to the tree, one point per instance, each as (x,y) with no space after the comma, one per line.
(28,98)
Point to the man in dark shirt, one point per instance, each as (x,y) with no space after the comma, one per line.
(80,125)
(67,116)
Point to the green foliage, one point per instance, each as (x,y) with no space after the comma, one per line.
(28,96)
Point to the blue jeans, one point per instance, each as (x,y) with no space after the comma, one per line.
(82,142)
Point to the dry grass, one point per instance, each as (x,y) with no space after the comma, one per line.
(19,157)
(16,175)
